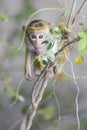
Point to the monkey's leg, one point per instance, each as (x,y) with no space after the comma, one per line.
(48,75)
(27,67)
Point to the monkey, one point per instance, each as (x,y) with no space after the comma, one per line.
(37,33)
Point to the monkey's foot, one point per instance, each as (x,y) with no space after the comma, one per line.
(29,78)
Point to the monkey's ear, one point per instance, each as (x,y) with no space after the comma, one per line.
(23,28)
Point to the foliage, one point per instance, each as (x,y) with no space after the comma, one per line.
(47,112)
(25,109)
(14,95)
(55,34)
(82,43)
(3,17)
(79,59)
(64,11)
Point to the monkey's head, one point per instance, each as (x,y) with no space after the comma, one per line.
(37,32)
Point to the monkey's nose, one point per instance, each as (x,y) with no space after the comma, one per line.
(37,44)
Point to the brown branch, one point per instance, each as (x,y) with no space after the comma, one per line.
(36,98)
(70,42)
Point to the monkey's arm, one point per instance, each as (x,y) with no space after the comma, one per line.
(61,57)
(27,66)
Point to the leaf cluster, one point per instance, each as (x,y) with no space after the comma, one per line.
(82,43)
(55,34)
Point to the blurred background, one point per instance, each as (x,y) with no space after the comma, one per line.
(14,14)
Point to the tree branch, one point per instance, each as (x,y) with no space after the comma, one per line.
(36,98)
(68,43)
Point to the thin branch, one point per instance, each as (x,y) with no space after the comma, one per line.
(71,12)
(72,17)
(68,43)
(77,94)
(77,13)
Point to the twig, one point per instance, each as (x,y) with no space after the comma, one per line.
(77,94)
(72,17)
(77,13)
(68,43)
(71,13)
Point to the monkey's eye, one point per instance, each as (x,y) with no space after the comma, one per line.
(33,36)
(41,36)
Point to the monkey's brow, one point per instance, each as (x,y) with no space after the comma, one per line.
(35,21)
(36,24)
(37,32)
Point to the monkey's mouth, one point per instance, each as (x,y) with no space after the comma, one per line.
(38,49)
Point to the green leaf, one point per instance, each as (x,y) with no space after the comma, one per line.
(82,34)
(44,62)
(81,24)
(3,17)
(45,42)
(47,112)
(84,51)
(82,44)
(25,109)
(79,59)
(10,91)
(55,30)
(49,46)
(64,13)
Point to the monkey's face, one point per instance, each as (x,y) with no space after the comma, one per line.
(37,38)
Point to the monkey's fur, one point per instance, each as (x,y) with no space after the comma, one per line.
(36,33)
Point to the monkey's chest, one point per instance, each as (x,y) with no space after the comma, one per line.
(40,61)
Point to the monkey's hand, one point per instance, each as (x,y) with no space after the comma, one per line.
(28,76)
